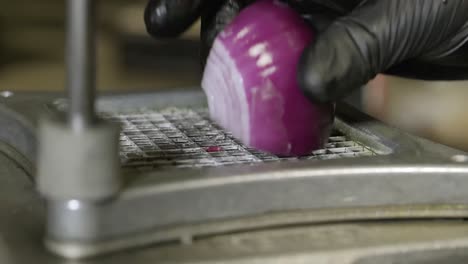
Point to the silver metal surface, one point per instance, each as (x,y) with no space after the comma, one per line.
(415,242)
(186,138)
(197,208)
(428,242)
(80,60)
(175,159)
(180,198)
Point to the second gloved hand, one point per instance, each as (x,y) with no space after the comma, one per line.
(426,39)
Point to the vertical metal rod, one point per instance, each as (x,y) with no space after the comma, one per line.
(81,64)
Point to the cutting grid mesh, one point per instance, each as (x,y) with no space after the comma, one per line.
(188,138)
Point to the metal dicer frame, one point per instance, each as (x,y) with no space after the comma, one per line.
(407,178)
(187,138)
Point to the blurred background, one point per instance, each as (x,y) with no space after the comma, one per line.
(32,47)
(31,59)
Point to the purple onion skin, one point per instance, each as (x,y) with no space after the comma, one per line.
(250,81)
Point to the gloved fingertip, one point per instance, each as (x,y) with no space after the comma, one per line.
(333,66)
(317,75)
(312,83)
(168,19)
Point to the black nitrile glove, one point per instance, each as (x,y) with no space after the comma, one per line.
(425,39)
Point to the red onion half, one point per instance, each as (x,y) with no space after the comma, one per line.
(251,86)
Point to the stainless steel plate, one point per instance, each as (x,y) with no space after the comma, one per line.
(179,189)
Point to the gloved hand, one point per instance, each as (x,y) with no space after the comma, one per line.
(425,39)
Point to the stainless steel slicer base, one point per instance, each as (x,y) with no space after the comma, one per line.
(186,177)
(188,182)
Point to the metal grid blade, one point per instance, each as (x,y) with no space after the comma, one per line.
(188,138)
